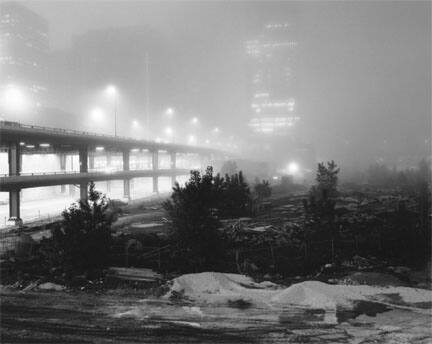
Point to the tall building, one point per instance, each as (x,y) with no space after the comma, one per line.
(274,117)
(24,48)
(273,104)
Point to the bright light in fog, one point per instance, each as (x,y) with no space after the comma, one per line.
(99,149)
(14,99)
(293,168)
(169,112)
(216,130)
(191,139)
(97,114)
(135,123)
(44,145)
(168,131)
(194,120)
(111,90)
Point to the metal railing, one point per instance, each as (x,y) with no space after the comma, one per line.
(73,132)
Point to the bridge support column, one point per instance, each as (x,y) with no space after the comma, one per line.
(14,159)
(14,205)
(173,167)
(108,164)
(83,162)
(63,168)
(155,166)
(91,159)
(126,182)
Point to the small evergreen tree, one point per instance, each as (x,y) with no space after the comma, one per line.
(262,189)
(83,240)
(229,168)
(192,211)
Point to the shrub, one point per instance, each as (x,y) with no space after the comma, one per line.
(195,210)
(235,197)
(262,189)
(192,211)
(81,244)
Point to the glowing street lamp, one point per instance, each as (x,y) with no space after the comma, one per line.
(14,99)
(111,91)
(293,168)
(169,112)
(97,114)
(192,140)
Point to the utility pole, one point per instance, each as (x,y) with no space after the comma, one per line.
(147,94)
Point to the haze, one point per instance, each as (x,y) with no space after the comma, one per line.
(363,70)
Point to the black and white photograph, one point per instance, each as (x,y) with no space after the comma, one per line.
(216,171)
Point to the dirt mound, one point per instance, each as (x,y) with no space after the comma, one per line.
(212,287)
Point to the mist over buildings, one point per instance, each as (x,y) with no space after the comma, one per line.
(360,73)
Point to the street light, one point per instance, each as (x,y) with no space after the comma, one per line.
(111,90)
(169,112)
(293,168)
(14,99)
(191,140)
(97,114)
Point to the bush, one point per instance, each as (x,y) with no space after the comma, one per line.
(192,210)
(195,210)
(81,244)
(234,198)
(262,189)
(320,208)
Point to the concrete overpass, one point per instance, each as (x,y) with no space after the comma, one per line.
(19,139)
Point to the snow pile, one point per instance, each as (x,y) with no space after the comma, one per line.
(219,287)
(212,287)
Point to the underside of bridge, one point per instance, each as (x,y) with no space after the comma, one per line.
(122,159)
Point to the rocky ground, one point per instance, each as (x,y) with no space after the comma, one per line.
(130,316)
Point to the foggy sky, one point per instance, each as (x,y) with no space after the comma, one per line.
(364,67)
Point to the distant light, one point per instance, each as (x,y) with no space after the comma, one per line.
(293,168)
(275,177)
(99,149)
(207,142)
(14,99)
(169,112)
(135,123)
(194,120)
(168,131)
(191,139)
(111,90)
(22,143)
(216,130)
(97,114)
(158,139)
(44,145)
(135,150)
(30,146)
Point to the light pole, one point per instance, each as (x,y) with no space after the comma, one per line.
(112,92)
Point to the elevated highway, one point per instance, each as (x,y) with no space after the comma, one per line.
(18,139)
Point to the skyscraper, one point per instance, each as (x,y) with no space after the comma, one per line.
(273,104)
(274,118)
(24,48)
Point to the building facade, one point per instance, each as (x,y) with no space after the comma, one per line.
(24,49)
(274,117)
